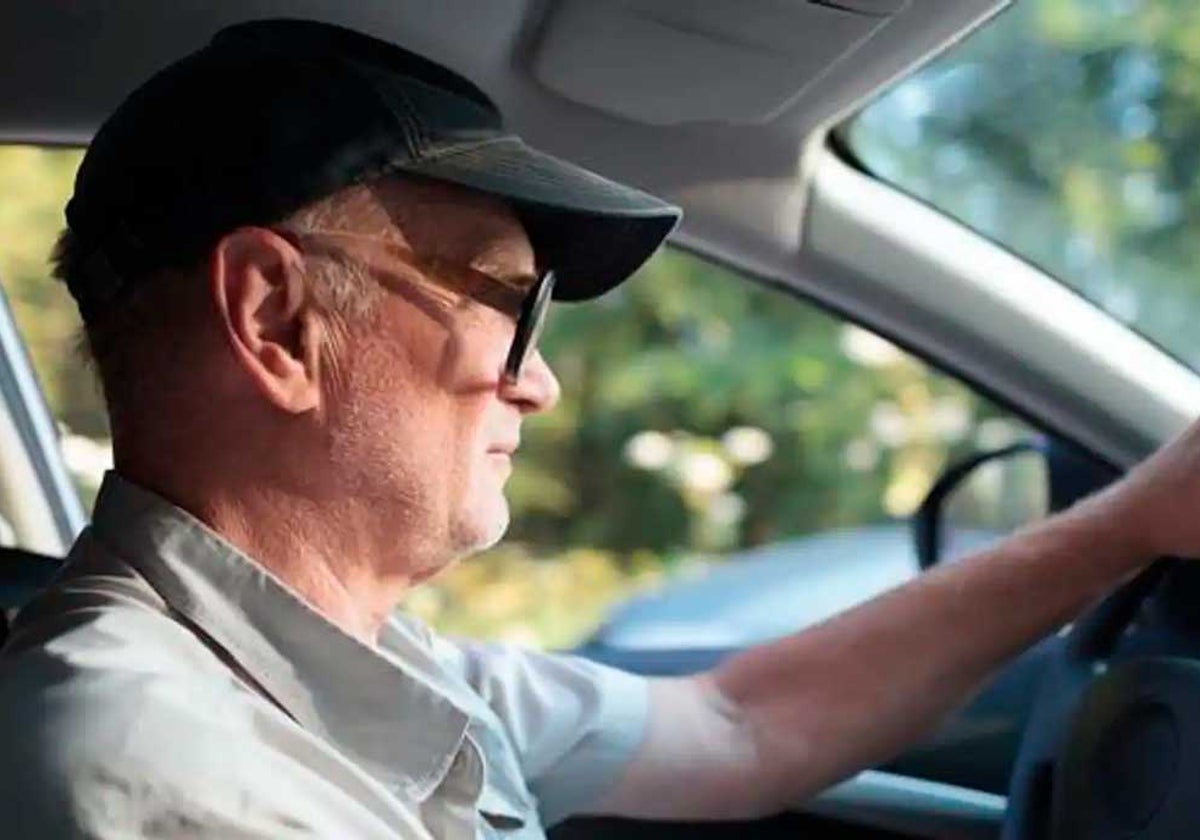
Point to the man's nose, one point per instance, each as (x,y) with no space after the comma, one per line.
(536,389)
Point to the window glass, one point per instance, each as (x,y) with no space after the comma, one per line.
(706,422)
(727,459)
(35,184)
(1069,132)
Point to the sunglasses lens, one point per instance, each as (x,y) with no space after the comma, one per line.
(529,326)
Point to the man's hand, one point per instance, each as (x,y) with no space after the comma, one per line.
(779,722)
(1158,502)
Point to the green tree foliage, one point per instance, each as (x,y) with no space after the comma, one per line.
(34,185)
(690,350)
(1069,131)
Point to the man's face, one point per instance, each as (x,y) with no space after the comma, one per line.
(421,420)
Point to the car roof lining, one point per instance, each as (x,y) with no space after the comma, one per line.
(738,175)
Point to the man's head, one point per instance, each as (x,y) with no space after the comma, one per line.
(346,352)
(292,252)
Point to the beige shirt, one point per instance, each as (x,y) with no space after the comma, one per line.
(168,686)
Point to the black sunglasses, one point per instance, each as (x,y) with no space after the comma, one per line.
(530,324)
(527,305)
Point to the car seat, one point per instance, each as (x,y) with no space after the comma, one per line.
(22,574)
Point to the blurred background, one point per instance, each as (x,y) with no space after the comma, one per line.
(704,414)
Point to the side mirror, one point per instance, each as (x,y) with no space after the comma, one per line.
(980,500)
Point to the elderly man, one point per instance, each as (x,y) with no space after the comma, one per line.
(312,268)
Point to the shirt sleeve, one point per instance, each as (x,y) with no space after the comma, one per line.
(574,724)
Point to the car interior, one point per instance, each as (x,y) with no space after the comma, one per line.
(730,110)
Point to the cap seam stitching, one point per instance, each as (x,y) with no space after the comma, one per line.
(404,117)
(415,137)
(415,122)
(465,146)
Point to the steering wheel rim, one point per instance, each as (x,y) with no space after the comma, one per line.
(1085,654)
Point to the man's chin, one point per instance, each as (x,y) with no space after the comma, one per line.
(498,530)
(486,529)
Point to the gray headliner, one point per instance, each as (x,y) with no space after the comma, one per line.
(66,64)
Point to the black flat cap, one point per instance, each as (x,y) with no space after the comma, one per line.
(274,114)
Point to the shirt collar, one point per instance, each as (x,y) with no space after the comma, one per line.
(384,712)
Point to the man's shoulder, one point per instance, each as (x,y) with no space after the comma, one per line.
(108,703)
(94,656)
(101,619)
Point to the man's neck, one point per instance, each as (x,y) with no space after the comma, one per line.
(328,557)
(332,554)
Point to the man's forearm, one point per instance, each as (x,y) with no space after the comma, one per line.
(853,691)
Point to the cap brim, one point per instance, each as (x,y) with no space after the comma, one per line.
(594,233)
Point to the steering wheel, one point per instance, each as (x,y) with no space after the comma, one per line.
(1112,747)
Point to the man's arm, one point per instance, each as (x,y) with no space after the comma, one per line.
(779,722)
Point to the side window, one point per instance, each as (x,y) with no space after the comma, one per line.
(36,184)
(727,464)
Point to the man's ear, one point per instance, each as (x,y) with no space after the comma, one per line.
(257,283)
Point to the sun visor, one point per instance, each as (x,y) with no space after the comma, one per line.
(665,63)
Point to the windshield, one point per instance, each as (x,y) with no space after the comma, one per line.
(1069,132)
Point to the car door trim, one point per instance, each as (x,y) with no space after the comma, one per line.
(35,425)
(912,806)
